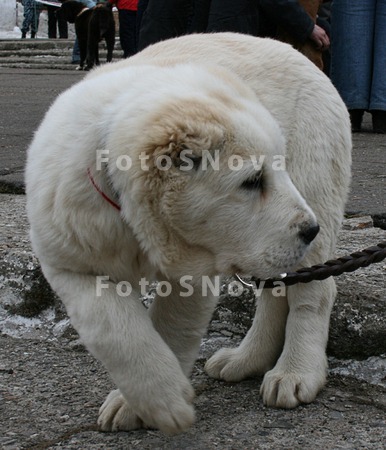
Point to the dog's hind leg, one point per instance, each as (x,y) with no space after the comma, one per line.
(259,350)
(83,51)
(107,32)
(92,52)
(110,41)
(182,319)
(118,331)
(93,38)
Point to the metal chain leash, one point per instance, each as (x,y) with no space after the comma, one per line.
(331,268)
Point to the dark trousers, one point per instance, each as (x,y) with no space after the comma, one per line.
(164,20)
(128,32)
(199,20)
(240,16)
(53,21)
(142,5)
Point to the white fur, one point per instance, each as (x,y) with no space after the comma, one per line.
(232,93)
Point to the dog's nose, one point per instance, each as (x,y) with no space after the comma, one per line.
(308,234)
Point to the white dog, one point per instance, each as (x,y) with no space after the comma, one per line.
(150,169)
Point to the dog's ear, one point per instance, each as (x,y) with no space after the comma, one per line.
(187,160)
(180,134)
(184,148)
(181,151)
(184,158)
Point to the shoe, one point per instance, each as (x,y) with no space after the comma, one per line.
(23,35)
(33,35)
(356,116)
(379,121)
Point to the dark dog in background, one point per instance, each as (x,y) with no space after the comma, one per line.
(91,26)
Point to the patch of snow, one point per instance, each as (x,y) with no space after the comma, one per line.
(371,370)
(41,327)
(11,20)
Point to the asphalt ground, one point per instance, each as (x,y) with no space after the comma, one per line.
(26,94)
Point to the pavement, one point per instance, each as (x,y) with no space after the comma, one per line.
(25,97)
(51,388)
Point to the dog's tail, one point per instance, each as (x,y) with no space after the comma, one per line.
(104,17)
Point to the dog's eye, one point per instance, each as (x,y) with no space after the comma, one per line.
(254,183)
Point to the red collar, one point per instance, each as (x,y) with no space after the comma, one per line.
(108,199)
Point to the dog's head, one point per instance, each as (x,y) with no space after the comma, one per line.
(207,191)
(70,10)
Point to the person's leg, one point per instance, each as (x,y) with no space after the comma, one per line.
(123,31)
(133,32)
(35,19)
(352,25)
(128,32)
(142,5)
(51,12)
(28,11)
(378,87)
(76,52)
(63,27)
(164,20)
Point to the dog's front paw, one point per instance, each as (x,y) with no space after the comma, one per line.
(230,364)
(164,410)
(116,415)
(287,390)
(169,407)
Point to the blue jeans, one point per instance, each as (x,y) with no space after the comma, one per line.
(358,52)
(76,52)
